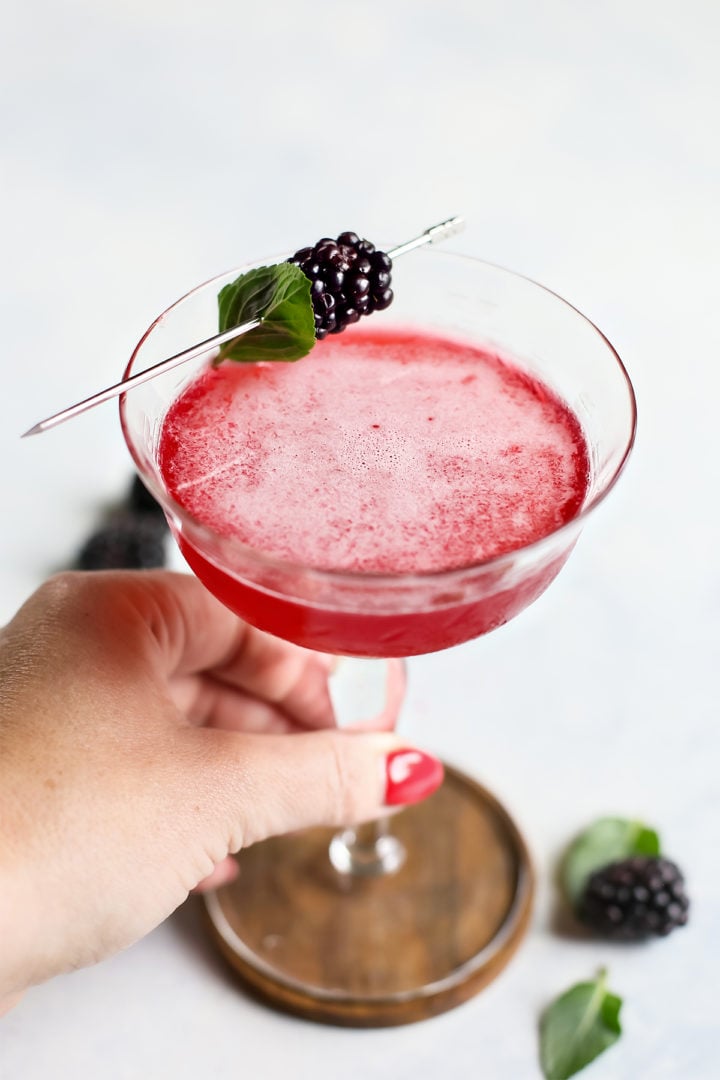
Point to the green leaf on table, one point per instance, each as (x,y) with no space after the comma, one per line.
(608,840)
(280,296)
(577,1027)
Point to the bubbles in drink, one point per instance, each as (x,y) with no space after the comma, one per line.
(377,452)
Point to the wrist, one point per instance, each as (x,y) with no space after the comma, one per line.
(16,917)
(9,1002)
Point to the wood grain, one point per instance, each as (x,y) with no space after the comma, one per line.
(372,952)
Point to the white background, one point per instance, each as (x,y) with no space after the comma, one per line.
(148,144)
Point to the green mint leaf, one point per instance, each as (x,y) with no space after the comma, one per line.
(280,296)
(578,1026)
(608,840)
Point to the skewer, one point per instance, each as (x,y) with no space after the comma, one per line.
(429,236)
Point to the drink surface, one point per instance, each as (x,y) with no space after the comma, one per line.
(379,452)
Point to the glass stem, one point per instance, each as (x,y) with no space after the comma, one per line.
(367,694)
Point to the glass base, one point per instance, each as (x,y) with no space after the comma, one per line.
(377,951)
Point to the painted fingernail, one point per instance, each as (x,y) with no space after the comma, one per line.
(411,775)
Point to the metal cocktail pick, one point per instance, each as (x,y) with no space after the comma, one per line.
(436,232)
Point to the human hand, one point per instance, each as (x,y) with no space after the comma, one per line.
(146,734)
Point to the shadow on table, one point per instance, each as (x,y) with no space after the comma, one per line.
(565,924)
(189,924)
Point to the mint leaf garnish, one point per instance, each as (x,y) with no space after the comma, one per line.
(280,296)
(577,1027)
(607,841)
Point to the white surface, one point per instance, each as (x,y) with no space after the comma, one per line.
(149,145)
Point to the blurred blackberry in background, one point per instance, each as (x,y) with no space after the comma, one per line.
(140,500)
(635,899)
(348,278)
(126,542)
(132,537)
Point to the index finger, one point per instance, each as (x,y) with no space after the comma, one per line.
(197,634)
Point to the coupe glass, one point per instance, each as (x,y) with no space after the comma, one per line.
(377,925)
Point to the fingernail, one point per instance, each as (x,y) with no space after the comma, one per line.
(411,775)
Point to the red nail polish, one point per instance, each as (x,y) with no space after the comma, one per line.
(411,776)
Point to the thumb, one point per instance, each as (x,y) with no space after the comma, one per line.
(266,785)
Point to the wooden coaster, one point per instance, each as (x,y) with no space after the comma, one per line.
(373,952)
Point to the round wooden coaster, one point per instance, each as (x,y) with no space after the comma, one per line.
(373,952)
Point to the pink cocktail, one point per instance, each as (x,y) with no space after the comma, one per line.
(411,484)
(359,460)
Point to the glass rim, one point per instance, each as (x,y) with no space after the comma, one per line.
(362,577)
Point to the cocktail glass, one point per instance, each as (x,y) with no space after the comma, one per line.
(379,925)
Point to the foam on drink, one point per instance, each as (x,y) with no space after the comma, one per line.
(392,452)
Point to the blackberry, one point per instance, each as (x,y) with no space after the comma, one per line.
(140,501)
(348,278)
(126,542)
(635,899)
